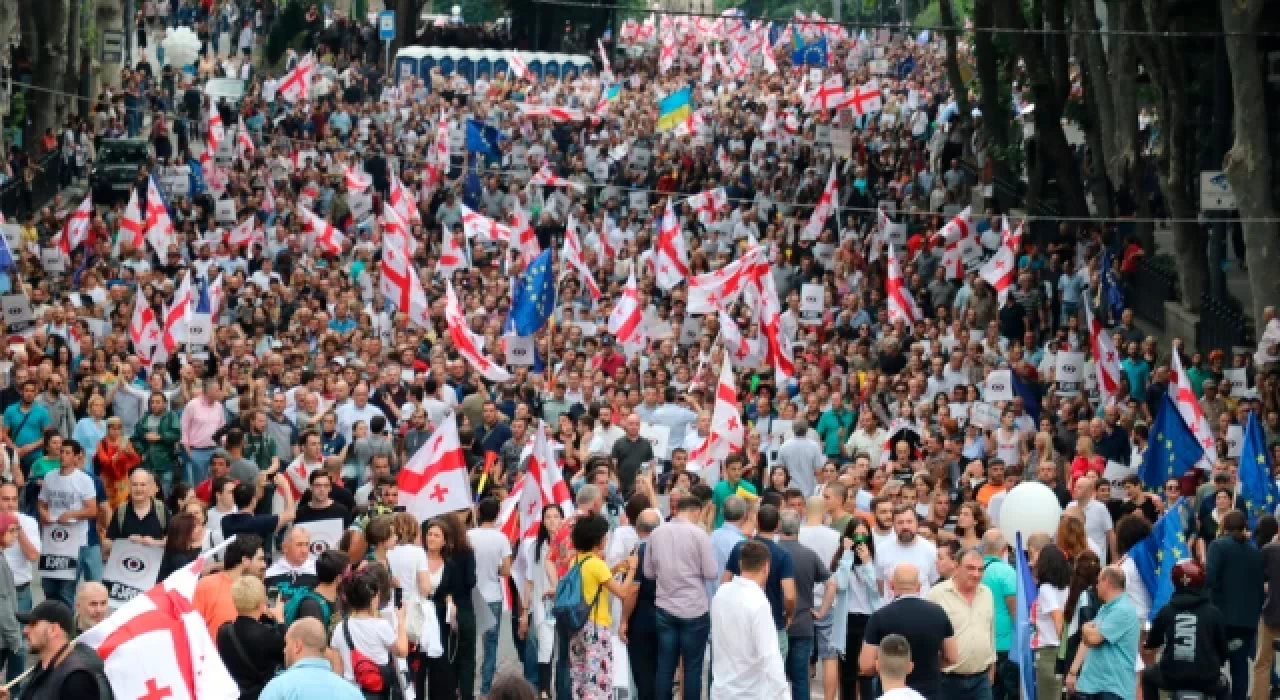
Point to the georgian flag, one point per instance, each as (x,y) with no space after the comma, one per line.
(1000,271)
(517,66)
(403,202)
(960,226)
(708,203)
(736,346)
(159,227)
(545,178)
(132,223)
(717,289)
(395,231)
(525,237)
(828,95)
(435,479)
(727,434)
(626,321)
(902,307)
(576,259)
(1189,408)
(297,83)
(175,317)
(671,255)
(763,297)
(322,232)
(76,229)
(468,344)
(242,233)
(399,283)
(667,55)
(476,224)
(1105,358)
(863,100)
(144,333)
(356,180)
(452,256)
(823,210)
(546,472)
(555,114)
(244,142)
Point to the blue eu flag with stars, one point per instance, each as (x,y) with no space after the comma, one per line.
(472,190)
(535,296)
(1172,449)
(1021,653)
(1257,488)
(1155,556)
(1112,291)
(482,139)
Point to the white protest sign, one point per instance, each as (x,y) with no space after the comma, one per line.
(639,202)
(1069,373)
(879,66)
(130,571)
(659,436)
(815,76)
(690,331)
(1235,440)
(984,415)
(811,302)
(225,212)
(999,386)
(971,253)
(960,412)
(777,429)
(822,133)
(52,260)
(842,143)
(226,151)
(361,204)
(519,350)
(324,534)
(1235,382)
(1116,473)
(825,255)
(13,236)
(896,234)
(17,309)
(199,329)
(60,551)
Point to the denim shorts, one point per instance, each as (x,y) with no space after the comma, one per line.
(822,638)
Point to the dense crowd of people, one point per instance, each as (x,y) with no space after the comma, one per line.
(852,542)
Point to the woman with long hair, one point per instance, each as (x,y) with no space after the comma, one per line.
(406,561)
(364,628)
(433,678)
(779,480)
(857,556)
(1070,537)
(1053,574)
(182,544)
(1082,605)
(971,524)
(591,648)
(538,627)
(458,585)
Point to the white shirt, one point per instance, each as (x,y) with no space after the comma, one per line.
(824,542)
(903,693)
(62,493)
(1097,523)
(348,414)
(18,562)
(373,636)
(490,547)
(405,561)
(746,661)
(921,553)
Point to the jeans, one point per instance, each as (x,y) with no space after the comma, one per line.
(974,687)
(1006,685)
(491,648)
(681,639)
(530,656)
(1242,642)
(852,685)
(642,649)
(196,462)
(15,659)
(799,649)
(55,589)
(91,563)
(564,689)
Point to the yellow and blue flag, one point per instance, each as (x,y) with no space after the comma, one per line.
(1172,449)
(674,109)
(1257,488)
(1155,556)
(535,296)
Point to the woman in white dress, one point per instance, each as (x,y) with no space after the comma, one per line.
(540,590)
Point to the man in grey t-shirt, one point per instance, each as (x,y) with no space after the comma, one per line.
(808,570)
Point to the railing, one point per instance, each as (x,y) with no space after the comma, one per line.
(1150,286)
(14,201)
(1222,325)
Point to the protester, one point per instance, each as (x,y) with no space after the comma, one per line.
(308,673)
(252,645)
(970,606)
(1104,663)
(745,659)
(893,665)
(923,623)
(66,668)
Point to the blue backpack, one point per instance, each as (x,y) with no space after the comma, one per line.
(570,608)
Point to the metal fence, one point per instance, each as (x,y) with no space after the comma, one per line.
(1223,325)
(17,201)
(1150,286)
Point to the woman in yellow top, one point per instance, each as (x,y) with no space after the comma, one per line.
(590,648)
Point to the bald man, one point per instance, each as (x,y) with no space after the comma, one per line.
(925,626)
(309,673)
(91,605)
(296,568)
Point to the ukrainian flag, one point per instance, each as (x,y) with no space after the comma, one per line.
(613,93)
(674,109)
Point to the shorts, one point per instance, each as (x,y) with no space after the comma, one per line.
(822,638)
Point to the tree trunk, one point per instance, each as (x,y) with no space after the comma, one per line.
(1248,163)
(1173,161)
(49,27)
(992,91)
(959,88)
(71,76)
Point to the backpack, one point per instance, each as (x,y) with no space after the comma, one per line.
(162,513)
(570,608)
(295,599)
(374,681)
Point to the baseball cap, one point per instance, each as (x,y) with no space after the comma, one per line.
(54,611)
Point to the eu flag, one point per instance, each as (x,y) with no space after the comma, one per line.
(471,188)
(482,139)
(202,298)
(535,296)
(1172,449)
(1020,653)
(1029,394)
(1112,293)
(1257,488)
(7,261)
(812,54)
(1155,556)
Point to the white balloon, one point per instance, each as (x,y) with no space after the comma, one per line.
(181,46)
(1029,508)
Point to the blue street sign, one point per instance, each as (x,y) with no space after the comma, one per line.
(387,25)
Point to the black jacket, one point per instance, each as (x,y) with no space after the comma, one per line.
(78,675)
(255,659)
(1194,638)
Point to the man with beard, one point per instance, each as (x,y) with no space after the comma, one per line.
(908,548)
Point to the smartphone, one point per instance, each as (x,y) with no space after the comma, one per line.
(273,597)
(397,597)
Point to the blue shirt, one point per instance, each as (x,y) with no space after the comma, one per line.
(1109,666)
(308,679)
(780,567)
(1138,372)
(723,540)
(32,422)
(1003,582)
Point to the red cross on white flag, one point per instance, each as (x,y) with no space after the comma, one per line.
(435,479)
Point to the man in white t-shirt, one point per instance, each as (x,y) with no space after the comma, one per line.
(69,500)
(907,548)
(21,553)
(825,542)
(1098,526)
(493,564)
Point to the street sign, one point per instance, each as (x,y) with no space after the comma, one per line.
(112,46)
(387,25)
(1215,191)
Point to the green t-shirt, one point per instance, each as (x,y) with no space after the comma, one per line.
(723,490)
(1003,582)
(43,466)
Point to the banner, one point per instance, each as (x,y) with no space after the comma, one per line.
(998,386)
(1235,382)
(60,550)
(325,534)
(519,350)
(225,212)
(131,570)
(199,329)
(812,297)
(1069,373)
